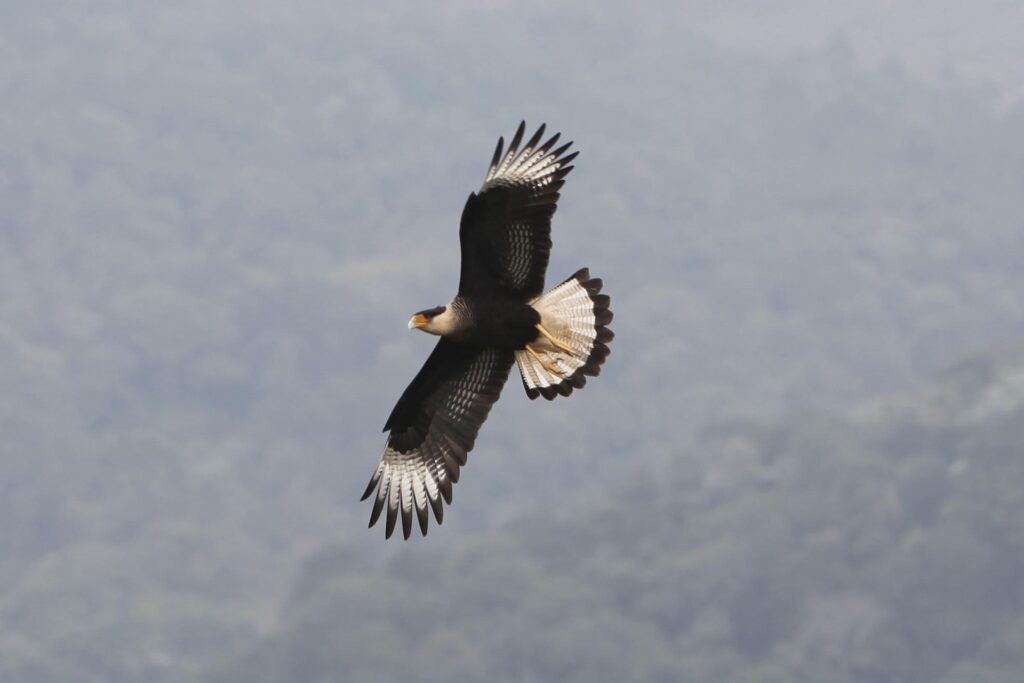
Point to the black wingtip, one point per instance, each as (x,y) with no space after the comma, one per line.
(406,521)
(561,150)
(378,505)
(369,489)
(437,507)
(497,152)
(535,138)
(517,138)
(421,514)
(392,517)
(549,144)
(446,492)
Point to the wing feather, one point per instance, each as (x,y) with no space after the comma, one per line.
(432,429)
(505,231)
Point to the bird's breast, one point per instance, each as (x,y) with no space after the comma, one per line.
(496,323)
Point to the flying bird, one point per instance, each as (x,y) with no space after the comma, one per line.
(500,316)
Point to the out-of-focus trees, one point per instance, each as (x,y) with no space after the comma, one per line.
(833,553)
(214,221)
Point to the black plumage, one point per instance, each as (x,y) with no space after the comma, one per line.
(505,237)
(505,231)
(433,427)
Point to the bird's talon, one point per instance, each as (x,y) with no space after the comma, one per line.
(545,363)
(559,344)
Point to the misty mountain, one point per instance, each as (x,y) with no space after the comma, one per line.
(216,220)
(857,548)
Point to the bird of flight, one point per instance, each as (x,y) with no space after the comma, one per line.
(500,316)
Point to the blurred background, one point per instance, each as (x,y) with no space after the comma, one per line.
(802,462)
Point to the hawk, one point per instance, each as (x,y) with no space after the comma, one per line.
(500,316)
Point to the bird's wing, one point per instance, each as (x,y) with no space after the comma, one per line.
(506,227)
(433,427)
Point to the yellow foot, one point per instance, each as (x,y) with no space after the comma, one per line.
(548,365)
(559,344)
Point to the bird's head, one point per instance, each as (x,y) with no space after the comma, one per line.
(431,320)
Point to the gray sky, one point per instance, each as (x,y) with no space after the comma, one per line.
(938,39)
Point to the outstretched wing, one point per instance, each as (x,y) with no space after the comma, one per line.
(433,426)
(506,226)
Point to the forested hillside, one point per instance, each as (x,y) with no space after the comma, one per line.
(877,548)
(215,220)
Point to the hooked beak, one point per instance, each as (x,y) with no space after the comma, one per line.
(418,320)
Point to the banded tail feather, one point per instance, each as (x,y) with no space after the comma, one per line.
(576,313)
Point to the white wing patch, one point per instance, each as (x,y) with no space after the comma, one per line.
(419,479)
(522,185)
(517,261)
(532,165)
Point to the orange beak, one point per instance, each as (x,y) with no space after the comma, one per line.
(418,320)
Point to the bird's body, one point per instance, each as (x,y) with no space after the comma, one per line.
(503,323)
(499,317)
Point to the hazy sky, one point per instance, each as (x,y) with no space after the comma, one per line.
(937,38)
(217,217)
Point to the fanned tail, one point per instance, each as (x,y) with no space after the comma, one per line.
(577,314)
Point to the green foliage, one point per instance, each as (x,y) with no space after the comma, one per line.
(216,216)
(827,552)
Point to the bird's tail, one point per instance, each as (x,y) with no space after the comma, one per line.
(575,314)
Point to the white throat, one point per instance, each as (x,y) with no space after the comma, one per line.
(444,323)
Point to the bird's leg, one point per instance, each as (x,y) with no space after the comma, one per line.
(548,365)
(557,342)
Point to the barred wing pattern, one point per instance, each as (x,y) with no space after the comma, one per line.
(506,227)
(432,429)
